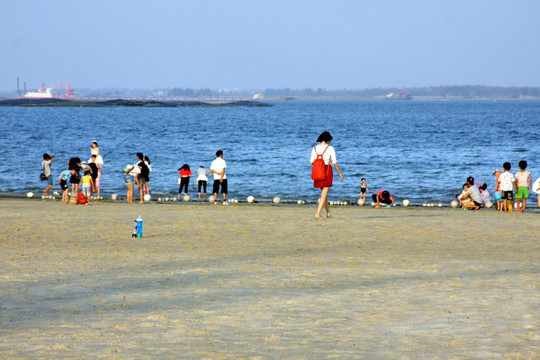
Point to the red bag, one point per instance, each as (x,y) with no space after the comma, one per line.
(318,172)
(81,199)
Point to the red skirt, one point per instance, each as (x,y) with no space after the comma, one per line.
(326,182)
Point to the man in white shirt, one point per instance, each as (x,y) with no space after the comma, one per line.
(220,179)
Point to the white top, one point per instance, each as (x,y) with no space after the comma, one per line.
(135,170)
(201,174)
(46,165)
(506,179)
(474,193)
(329,154)
(219,166)
(522,178)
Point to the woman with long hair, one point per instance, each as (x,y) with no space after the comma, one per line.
(328,154)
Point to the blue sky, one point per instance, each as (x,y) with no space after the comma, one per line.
(272,44)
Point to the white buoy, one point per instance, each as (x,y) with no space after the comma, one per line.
(299,202)
(43,197)
(276,200)
(186,198)
(147,197)
(372,204)
(406,203)
(29,194)
(361,202)
(250,199)
(488,204)
(439,205)
(56,193)
(211,198)
(454,204)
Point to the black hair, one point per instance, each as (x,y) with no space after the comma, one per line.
(219,153)
(46,156)
(86,172)
(140,156)
(147,159)
(95,142)
(385,194)
(362,179)
(185,167)
(470,180)
(523,164)
(466,184)
(94,156)
(483,187)
(507,166)
(325,136)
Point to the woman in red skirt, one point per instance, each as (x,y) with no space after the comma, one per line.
(329,157)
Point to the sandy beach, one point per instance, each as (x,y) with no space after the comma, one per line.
(266,282)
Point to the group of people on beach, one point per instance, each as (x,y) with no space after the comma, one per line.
(507,187)
(474,193)
(217,167)
(326,152)
(139,173)
(84,176)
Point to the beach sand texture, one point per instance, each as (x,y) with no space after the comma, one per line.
(266,282)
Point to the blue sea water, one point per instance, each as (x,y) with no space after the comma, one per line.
(419,150)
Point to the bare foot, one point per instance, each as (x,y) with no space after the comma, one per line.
(319,218)
(328,215)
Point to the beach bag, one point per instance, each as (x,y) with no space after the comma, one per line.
(81,199)
(318,172)
(42,177)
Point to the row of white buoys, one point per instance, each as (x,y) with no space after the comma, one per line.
(432,205)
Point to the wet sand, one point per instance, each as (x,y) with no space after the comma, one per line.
(266,282)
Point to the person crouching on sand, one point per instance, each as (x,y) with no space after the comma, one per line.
(383,196)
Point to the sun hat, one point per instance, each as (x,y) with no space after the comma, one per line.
(496,171)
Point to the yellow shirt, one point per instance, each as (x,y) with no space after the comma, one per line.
(87,179)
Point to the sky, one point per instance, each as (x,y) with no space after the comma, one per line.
(220,44)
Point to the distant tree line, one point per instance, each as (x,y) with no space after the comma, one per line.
(466,92)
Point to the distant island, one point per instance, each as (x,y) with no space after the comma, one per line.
(53,102)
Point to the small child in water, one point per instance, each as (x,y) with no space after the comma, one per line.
(363,188)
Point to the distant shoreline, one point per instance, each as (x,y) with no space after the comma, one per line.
(25,102)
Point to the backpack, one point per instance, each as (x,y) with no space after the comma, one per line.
(318,172)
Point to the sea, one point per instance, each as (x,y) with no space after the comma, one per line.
(422,151)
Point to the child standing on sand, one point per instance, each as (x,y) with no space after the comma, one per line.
(87,185)
(363,189)
(497,190)
(507,184)
(523,182)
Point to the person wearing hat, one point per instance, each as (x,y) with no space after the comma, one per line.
(497,189)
